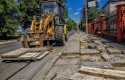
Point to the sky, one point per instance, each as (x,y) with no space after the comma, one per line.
(75,7)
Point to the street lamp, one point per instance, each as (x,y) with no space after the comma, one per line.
(86,14)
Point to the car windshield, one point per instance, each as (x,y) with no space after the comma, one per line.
(48,6)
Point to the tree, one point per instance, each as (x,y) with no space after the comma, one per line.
(9,17)
(71,24)
(94,13)
(29,8)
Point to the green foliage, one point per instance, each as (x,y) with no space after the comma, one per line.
(9,18)
(28,8)
(93,13)
(71,24)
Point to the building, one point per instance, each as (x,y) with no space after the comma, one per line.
(110,6)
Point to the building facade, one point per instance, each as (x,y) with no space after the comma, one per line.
(109,7)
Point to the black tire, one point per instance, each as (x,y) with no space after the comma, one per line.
(59,36)
(66,37)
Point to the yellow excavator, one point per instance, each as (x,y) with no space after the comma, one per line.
(51,26)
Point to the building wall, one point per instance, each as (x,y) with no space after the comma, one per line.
(113,5)
(110,6)
(106,9)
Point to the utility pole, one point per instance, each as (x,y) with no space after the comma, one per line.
(86,14)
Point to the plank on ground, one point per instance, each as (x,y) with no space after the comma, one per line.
(103,72)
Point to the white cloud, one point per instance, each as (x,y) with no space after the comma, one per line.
(80,9)
(76,13)
(69,8)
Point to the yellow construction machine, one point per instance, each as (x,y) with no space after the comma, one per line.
(50,27)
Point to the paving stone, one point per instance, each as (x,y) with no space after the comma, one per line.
(64,71)
(71,51)
(105,56)
(113,51)
(105,45)
(97,64)
(79,76)
(98,41)
(89,52)
(74,44)
(68,61)
(91,46)
(101,48)
(91,58)
(83,44)
(117,60)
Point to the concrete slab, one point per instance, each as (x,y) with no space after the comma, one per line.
(116,60)
(105,56)
(71,51)
(64,71)
(97,64)
(101,48)
(113,51)
(91,58)
(68,61)
(79,76)
(89,51)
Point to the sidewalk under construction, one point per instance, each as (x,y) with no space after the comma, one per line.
(84,57)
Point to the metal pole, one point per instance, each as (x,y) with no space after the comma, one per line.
(86,14)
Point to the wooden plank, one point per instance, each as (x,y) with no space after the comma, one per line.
(78,76)
(103,72)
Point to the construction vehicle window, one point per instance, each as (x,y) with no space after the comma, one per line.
(48,6)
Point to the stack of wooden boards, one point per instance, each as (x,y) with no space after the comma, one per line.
(89,73)
(25,54)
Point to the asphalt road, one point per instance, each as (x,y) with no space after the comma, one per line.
(4,48)
(31,69)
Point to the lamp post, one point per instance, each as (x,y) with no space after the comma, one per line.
(86,14)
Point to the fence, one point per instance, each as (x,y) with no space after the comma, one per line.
(111,26)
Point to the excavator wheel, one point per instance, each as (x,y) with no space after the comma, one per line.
(59,36)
